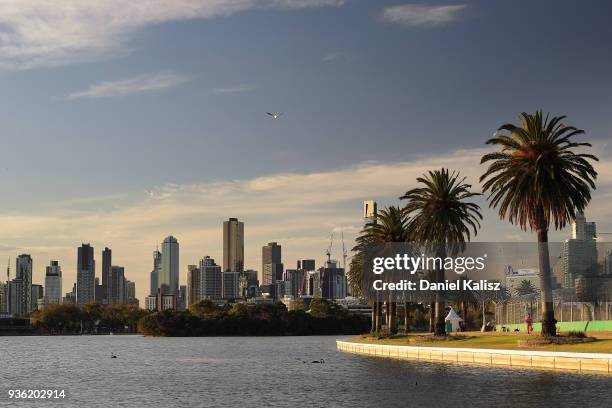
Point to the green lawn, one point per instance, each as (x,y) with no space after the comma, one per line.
(509,341)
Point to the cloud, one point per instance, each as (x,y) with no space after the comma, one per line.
(415,15)
(38,33)
(234,89)
(136,85)
(299,210)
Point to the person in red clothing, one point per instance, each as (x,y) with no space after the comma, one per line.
(529,323)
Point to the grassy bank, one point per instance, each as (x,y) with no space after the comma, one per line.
(507,341)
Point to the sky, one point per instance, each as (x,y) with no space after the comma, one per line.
(125,122)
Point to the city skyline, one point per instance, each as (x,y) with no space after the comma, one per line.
(371,93)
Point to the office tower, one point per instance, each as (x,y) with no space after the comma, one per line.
(86,275)
(370,211)
(37,295)
(295,282)
(194,285)
(306,264)
(157,256)
(608,263)
(100,293)
(212,279)
(230,288)
(168,277)
(3,299)
(579,253)
(332,281)
(116,285)
(53,284)
(233,245)
(130,290)
(107,261)
(252,283)
(16,304)
(70,297)
(181,300)
(24,273)
(271,263)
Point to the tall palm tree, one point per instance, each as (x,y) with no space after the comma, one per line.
(537,179)
(390,226)
(442,218)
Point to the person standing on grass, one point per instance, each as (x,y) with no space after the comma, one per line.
(529,323)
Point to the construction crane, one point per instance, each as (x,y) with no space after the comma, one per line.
(328,252)
(344,253)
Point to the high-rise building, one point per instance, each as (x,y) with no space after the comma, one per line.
(16,305)
(157,256)
(116,285)
(107,261)
(332,281)
(194,285)
(211,279)
(53,284)
(233,245)
(295,282)
(370,211)
(230,285)
(169,272)
(86,275)
(306,264)
(3,299)
(24,272)
(181,300)
(130,290)
(271,263)
(38,293)
(579,253)
(608,263)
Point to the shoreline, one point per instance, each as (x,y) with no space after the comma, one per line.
(592,363)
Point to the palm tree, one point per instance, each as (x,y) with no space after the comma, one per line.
(390,226)
(526,287)
(442,217)
(537,179)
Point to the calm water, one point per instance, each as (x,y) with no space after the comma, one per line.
(261,371)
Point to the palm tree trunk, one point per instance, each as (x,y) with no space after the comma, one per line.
(373,328)
(439,329)
(432,308)
(406,318)
(378,316)
(392,316)
(548,311)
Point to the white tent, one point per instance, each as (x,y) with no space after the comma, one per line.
(454,319)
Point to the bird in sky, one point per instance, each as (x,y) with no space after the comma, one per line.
(274,115)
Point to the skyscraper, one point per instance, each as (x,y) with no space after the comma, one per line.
(53,284)
(157,256)
(211,279)
(130,290)
(86,275)
(24,272)
(579,253)
(106,264)
(169,273)
(116,285)
(271,263)
(306,264)
(233,245)
(194,285)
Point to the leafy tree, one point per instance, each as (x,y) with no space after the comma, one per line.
(526,287)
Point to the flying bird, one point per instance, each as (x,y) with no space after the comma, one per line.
(274,115)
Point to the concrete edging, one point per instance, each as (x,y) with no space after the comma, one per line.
(549,360)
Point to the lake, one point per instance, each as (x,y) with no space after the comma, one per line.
(267,372)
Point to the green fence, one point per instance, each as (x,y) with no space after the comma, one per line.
(592,326)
